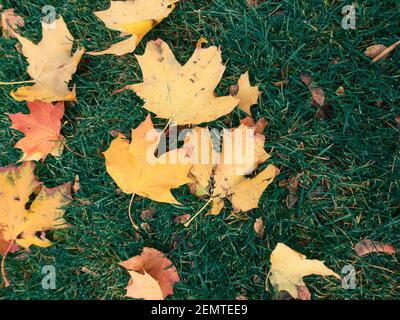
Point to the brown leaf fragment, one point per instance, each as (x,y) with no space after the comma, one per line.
(367,246)
(306,78)
(76,186)
(340,92)
(291,200)
(182,218)
(147,213)
(88,271)
(145,227)
(324,112)
(114,133)
(241,298)
(304,293)
(233,90)
(280,83)
(259,228)
(336,60)
(10,22)
(259,127)
(386,52)
(373,51)
(318,95)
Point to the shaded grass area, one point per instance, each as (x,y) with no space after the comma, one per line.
(356,151)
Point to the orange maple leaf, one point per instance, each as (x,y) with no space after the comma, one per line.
(41,128)
(153,275)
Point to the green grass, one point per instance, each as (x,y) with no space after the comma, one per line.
(357,151)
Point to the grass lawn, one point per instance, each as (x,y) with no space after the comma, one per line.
(354,153)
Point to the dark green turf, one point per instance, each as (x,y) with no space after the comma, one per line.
(357,151)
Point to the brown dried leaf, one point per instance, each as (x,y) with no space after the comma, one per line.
(304,293)
(182,218)
(10,22)
(340,92)
(373,51)
(152,273)
(147,214)
(76,186)
(368,246)
(259,227)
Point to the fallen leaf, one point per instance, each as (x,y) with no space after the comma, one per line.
(325,112)
(293,187)
(285,77)
(233,164)
(384,53)
(41,128)
(76,186)
(318,95)
(182,94)
(88,271)
(147,214)
(340,92)
(241,298)
(10,22)
(145,227)
(247,94)
(375,50)
(367,246)
(45,212)
(152,275)
(135,168)
(280,83)
(259,126)
(135,18)
(182,218)
(51,65)
(288,267)
(259,227)
(304,293)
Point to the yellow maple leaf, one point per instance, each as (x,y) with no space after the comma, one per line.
(135,18)
(247,93)
(242,151)
(46,212)
(182,94)
(51,65)
(288,267)
(136,169)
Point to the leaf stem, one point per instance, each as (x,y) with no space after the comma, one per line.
(135,226)
(16,82)
(69,149)
(3,262)
(187,223)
